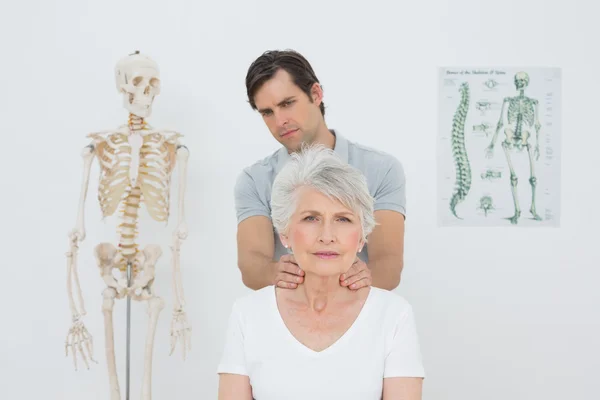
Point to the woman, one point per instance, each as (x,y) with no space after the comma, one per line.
(321,340)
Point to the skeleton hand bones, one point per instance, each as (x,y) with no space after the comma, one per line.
(80,340)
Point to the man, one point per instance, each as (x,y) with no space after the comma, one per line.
(283,88)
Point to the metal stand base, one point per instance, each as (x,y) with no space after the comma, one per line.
(128,343)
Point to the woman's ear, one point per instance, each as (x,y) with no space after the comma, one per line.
(284,240)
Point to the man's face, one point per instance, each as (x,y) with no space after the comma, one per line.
(289,113)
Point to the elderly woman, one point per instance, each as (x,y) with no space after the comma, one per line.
(322,340)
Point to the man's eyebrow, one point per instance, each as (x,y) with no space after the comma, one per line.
(285,100)
(262,110)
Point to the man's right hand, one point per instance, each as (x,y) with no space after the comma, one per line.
(288,274)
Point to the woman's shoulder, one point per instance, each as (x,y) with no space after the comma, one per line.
(390,303)
(256,300)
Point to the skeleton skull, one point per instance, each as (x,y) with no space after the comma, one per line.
(521,80)
(137,77)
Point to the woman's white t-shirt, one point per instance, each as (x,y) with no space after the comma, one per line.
(382,342)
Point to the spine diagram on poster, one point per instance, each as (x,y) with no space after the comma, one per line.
(459,152)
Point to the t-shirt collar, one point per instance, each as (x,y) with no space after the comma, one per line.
(340,148)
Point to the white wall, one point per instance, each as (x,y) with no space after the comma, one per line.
(503,313)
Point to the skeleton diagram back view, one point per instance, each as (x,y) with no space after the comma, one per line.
(136,163)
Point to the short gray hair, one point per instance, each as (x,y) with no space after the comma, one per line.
(322,169)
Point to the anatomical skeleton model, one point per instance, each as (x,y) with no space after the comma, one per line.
(136,163)
(522,116)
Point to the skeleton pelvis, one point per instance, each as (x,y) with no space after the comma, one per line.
(109,256)
(517,137)
(143,262)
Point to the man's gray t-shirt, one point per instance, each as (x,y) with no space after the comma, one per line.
(383,172)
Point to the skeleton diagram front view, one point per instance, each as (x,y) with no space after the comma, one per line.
(136,163)
(477,189)
(523,117)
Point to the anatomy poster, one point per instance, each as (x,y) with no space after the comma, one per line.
(499,147)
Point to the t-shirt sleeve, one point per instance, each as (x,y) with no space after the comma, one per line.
(247,201)
(233,360)
(391,194)
(404,355)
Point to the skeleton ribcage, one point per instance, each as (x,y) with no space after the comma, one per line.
(156,161)
(157,158)
(522,107)
(114,155)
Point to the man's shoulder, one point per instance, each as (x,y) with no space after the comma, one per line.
(370,157)
(263,165)
(259,174)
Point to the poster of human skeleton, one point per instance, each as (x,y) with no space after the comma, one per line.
(498,146)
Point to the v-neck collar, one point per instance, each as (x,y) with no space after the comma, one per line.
(346,336)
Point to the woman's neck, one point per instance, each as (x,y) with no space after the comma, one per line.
(319,292)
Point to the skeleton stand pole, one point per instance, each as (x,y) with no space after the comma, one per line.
(128,342)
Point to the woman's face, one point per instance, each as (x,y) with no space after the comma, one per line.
(323,234)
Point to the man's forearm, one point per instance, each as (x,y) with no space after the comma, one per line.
(257,270)
(386,271)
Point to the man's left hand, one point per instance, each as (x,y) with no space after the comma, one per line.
(358,276)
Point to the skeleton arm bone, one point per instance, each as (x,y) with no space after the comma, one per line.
(499,127)
(181,232)
(78,338)
(77,234)
(538,127)
(180,328)
(500,124)
(183,155)
(88,154)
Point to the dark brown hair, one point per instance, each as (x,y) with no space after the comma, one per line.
(271,61)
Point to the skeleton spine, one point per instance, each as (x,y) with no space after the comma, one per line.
(128,229)
(459,152)
(519,126)
(131,204)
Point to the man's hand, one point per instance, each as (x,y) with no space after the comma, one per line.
(287,273)
(358,276)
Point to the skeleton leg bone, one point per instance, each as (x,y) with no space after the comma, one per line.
(155,306)
(106,254)
(513,183)
(533,182)
(109,295)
